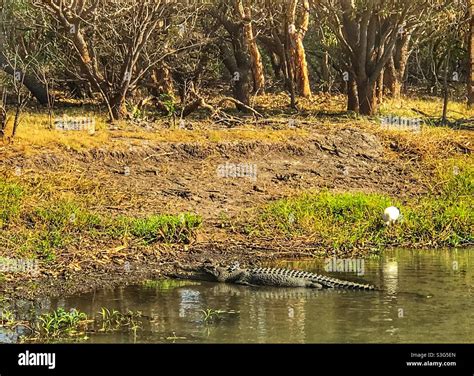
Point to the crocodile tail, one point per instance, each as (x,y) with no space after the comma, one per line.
(353,285)
(326,281)
(339,283)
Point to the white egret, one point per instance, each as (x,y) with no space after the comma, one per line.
(391,215)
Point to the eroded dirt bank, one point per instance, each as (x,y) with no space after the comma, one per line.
(138,177)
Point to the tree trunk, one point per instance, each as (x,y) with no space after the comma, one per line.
(162,82)
(3,120)
(37,89)
(238,61)
(446,85)
(16,120)
(241,90)
(352,98)
(470,87)
(257,69)
(272,45)
(289,76)
(281,53)
(369,38)
(35,86)
(380,87)
(276,65)
(391,80)
(396,67)
(301,70)
(297,51)
(325,73)
(118,107)
(258,73)
(367,97)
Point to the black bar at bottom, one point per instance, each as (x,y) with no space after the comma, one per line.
(377,359)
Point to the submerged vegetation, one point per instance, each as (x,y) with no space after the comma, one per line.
(113,320)
(73,325)
(210,315)
(61,323)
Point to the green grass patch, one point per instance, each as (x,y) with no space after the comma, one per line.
(11,196)
(455,179)
(43,244)
(159,228)
(40,231)
(345,221)
(338,220)
(66,216)
(54,225)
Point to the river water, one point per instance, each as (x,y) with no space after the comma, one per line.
(427,297)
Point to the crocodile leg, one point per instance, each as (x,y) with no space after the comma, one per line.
(314,285)
(243,282)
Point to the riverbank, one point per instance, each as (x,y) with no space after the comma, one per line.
(131,202)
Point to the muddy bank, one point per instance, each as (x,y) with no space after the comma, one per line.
(139,177)
(178,262)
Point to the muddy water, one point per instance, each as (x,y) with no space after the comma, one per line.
(428,296)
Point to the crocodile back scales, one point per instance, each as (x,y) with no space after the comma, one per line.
(313,277)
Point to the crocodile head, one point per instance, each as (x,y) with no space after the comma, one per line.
(222,274)
(216,271)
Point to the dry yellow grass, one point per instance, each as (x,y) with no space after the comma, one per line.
(432,106)
(433,142)
(34,134)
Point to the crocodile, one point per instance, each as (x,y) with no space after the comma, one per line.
(279,277)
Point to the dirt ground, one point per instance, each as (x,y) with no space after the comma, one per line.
(140,177)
